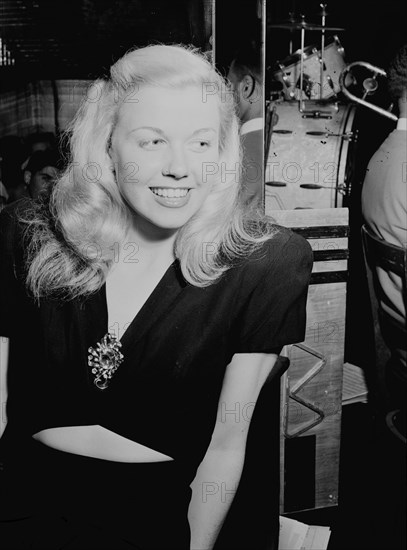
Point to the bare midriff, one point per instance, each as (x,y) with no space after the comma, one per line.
(98,442)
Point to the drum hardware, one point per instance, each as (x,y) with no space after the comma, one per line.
(314,113)
(298,25)
(306,85)
(331,85)
(314,27)
(282,131)
(318,113)
(370,85)
(341,188)
(287,71)
(271,119)
(321,61)
(323,10)
(285,77)
(348,135)
(302,59)
(290,44)
(322,65)
(305,82)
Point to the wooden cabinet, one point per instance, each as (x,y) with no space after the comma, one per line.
(312,386)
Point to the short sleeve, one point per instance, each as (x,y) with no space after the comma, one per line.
(10,285)
(275,313)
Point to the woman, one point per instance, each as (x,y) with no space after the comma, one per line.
(139,302)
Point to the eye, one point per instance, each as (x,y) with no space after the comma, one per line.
(200,145)
(152,144)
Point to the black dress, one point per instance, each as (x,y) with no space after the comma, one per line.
(165,393)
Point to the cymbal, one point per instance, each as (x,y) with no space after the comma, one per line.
(298,25)
(314,27)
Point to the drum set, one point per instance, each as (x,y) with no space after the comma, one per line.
(310,134)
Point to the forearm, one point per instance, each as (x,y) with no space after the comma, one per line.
(4,347)
(213,490)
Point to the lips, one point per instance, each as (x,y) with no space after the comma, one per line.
(171,197)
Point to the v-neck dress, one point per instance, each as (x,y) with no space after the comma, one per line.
(165,393)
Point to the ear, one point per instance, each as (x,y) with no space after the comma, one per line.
(248,84)
(27,177)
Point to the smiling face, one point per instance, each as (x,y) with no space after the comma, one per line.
(159,148)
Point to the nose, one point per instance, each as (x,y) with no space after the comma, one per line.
(176,165)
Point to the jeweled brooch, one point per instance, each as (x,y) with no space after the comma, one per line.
(105,360)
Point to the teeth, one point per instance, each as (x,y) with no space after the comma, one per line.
(169,193)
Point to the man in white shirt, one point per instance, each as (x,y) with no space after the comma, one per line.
(384,203)
(384,192)
(245,75)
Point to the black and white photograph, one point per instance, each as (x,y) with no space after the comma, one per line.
(203,275)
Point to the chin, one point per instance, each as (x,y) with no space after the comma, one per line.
(171,226)
(167,224)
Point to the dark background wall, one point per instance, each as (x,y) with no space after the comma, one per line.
(235,22)
(60,39)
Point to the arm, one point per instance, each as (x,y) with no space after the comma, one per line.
(219,473)
(4,345)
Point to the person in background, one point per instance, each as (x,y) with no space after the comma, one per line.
(141,301)
(41,171)
(38,141)
(384,200)
(246,77)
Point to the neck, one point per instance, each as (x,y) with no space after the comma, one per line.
(145,240)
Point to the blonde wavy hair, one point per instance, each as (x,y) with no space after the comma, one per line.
(71,235)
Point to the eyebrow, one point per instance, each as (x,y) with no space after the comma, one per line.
(161,133)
